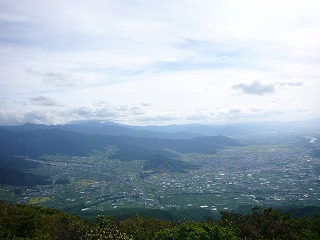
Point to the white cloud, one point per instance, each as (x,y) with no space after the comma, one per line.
(293,82)
(55,78)
(256,88)
(45,101)
(176,56)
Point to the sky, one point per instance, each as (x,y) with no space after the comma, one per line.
(159,62)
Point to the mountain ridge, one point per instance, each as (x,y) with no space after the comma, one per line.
(39,142)
(176,131)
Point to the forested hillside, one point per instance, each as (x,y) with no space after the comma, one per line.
(30,222)
(12,172)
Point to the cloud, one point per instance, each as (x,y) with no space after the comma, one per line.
(56,78)
(45,101)
(41,116)
(259,88)
(133,115)
(179,55)
(11,18)
(163,117)
(46,110)
(242,113)
(145,104)
(106,112)
(59,79)
(293,82)
(255,88)
(11,117)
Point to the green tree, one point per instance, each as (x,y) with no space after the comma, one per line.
(144,228)
(197,231)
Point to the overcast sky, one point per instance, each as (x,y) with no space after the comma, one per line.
(158,62)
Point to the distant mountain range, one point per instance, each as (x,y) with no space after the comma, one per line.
(105,129)
(150,143)
(38,142)
(81,139)
(183,131)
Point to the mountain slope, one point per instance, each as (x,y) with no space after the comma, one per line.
(12,172)
(36,143)
(163,164)
(105,129)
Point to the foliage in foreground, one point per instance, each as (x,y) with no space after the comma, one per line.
(30,222)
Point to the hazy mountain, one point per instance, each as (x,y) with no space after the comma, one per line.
(39,142)
(130,152)
(17,163)
(159,163)
(174,128)
(106,129)
(81,138)
(36,143)
(188,131)
(115,129)
(183,131)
